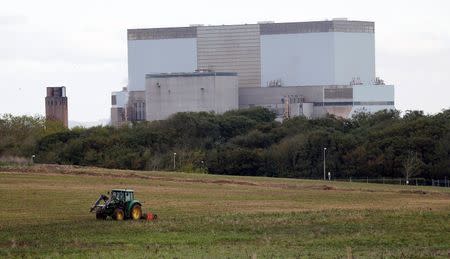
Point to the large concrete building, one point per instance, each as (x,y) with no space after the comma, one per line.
(302,57)
(56,105)
(167,94)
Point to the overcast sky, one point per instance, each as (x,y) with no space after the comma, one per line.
(82,45)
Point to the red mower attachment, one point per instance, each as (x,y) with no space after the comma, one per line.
(149,216)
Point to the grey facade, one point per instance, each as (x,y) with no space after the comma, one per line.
(136,106)
(273,98)
(167,94)
(118,116)
(231,48)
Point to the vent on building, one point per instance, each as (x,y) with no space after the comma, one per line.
(340,19)
(338,93)
(265,22)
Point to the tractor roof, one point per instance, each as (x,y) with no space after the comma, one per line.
(122,190)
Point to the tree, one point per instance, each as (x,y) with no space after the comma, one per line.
(411,165)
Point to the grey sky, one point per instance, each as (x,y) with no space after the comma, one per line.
(82,45)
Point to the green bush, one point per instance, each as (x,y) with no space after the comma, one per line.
(244,142)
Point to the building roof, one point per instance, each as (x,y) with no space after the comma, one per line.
(193,74)
(122,190)
(337,25)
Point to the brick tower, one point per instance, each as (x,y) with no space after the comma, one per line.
(56,105)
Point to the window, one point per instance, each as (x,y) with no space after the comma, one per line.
(139,110)
(128,196)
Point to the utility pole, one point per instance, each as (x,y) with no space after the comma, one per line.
(174,161)
(324,164)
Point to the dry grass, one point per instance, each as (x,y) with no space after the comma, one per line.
(206,215)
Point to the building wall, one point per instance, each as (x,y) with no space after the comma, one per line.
(118,116)
(354,56)
(166,95)
(231,48)
(147,56)
(298,59)
(325,58)
(373,98)
(136,106)
(121,98)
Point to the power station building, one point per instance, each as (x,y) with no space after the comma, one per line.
(326,66)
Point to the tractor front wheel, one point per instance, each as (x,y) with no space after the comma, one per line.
(118,214)
(99,215)
(136,212)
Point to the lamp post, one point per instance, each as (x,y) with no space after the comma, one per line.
(174,161)
(324,164)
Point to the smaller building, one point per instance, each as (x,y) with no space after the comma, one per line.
(127,106)
(56,105)
(119,101)
(316,101)
(209,91)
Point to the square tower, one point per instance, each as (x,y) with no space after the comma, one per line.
(56,105)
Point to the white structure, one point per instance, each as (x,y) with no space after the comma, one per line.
(373,98)
(119,102)
(293,54)
(160,55)
(167,94)
(323,58)
(119,99)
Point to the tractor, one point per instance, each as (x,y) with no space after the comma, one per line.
(119,206)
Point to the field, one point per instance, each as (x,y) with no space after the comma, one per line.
(46,214)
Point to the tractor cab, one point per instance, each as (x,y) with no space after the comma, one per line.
(122,195)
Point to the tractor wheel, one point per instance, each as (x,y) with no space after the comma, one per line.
(136,212)
(118,214)
(100,216)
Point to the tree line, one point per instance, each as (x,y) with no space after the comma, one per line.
(246,142)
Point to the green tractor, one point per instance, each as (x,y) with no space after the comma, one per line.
(121,205)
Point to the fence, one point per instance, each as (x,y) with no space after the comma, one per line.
(401,181)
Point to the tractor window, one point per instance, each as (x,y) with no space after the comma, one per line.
(117,195)
(128,196)
(120,196)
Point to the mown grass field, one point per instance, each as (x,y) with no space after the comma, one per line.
(45,214)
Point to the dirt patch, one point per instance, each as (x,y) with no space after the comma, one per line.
(113,173)
(414,192)
(327,188)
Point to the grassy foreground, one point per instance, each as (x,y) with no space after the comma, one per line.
(45,214)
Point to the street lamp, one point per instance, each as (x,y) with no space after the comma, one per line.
(324,165)
(174,164)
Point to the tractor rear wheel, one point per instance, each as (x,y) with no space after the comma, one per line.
(118,214)
(136,212)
